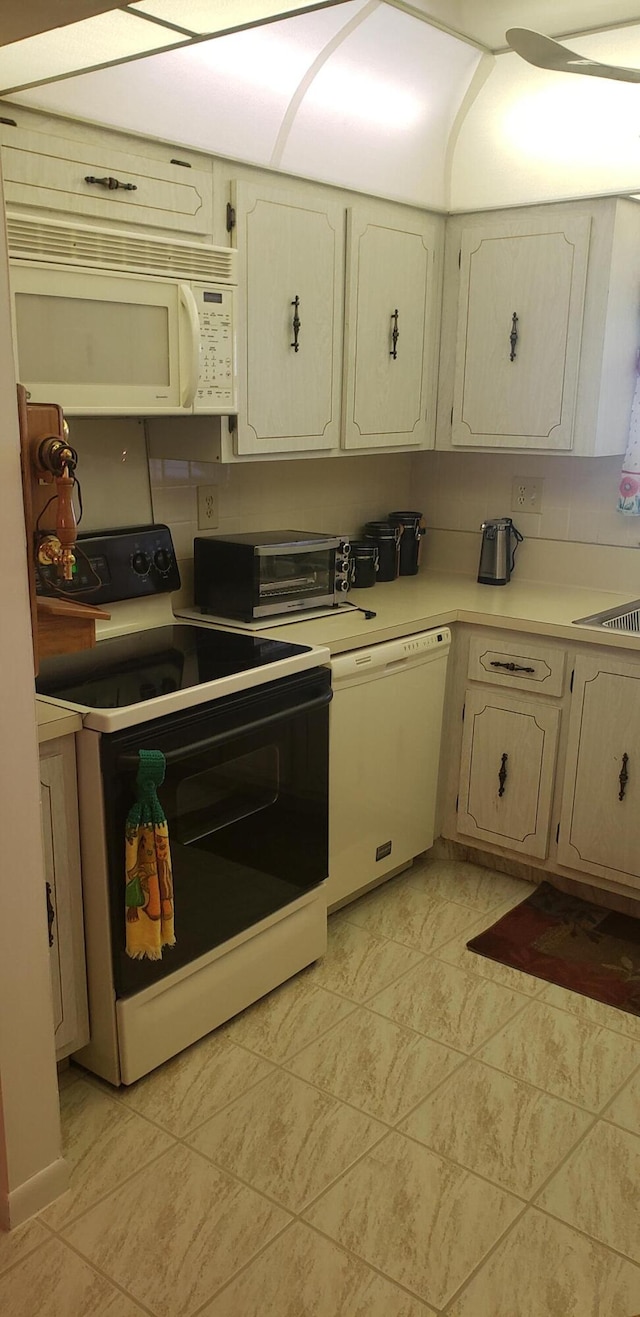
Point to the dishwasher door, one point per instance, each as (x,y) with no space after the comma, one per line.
(384,750)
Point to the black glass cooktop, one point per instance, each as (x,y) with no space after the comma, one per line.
(134,668)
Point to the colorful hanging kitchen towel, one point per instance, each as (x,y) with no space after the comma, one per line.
(149,882)
(629,489)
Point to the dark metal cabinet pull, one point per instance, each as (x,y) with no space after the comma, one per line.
(296,324)
(513,336)
(510,667)
(502,775)
(623,777)
(51,914)
(395,334)
(111,183)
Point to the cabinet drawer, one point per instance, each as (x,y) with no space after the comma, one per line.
(52,173)
(516,663)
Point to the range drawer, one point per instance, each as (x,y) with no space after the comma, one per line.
(517,663)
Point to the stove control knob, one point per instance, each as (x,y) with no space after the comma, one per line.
(162,561)
(141,563)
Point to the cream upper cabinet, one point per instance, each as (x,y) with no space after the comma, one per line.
(92,179)
(291,256)
(600,820)
(519,331)
(391,327)
(507,768)
(540,328)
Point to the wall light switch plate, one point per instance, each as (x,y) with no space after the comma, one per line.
(526,494)
(208,514)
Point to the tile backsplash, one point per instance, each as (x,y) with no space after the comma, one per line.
(133,472)
(460,490)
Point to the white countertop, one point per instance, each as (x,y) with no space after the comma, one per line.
(54,721)
(432,599)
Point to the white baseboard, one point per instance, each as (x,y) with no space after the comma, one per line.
(34,1194)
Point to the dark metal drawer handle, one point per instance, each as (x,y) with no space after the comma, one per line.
(510,667)
(502,775)
(296,324)
(395,334)
(624,777)
(51,914)
(513,337)
(111,183)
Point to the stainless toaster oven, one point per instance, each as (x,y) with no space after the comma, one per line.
(263,573)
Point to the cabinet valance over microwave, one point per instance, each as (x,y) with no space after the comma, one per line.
(112,323)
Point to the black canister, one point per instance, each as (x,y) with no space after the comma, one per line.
(387,538)
(363,563)
(411,531)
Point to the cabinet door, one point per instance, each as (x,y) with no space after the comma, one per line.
(507,771)
(600,821)
(52,173)
(526,280)
(63,894)
(391,308)
(290,251)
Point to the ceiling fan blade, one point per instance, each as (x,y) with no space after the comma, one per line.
(546,53)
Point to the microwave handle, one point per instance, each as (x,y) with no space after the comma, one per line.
(188,302)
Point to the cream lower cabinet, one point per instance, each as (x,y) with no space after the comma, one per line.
(600,819)
(63,894)
(507,768)
(291,256)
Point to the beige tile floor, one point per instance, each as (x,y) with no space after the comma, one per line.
(403,1129)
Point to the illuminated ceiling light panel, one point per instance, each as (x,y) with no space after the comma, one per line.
(378,113)
(206,17)
(225,96)
(88,44)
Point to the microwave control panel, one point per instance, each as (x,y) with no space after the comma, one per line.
(217,378)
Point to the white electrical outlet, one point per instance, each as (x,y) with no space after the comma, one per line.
(207,507)
(526,494)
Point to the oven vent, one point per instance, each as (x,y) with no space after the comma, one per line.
(59,243)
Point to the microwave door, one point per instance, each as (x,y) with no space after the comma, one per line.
(99,343)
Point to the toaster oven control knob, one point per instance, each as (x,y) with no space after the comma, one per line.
(162,561)
(141,562)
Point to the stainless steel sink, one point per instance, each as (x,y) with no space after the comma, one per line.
(625,618)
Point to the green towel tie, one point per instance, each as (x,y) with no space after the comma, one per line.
(146,810)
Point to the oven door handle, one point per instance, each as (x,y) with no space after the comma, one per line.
(131,761)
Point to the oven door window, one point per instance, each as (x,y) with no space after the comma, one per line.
(230,792)
(245,795)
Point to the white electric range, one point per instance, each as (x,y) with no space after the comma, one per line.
(243,724)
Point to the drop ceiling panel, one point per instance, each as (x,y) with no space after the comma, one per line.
(227,96)
(115,35)
(378,113)
(210,16)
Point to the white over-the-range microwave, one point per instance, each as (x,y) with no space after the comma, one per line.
(113,322)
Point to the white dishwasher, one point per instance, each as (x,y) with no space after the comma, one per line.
(385,729)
